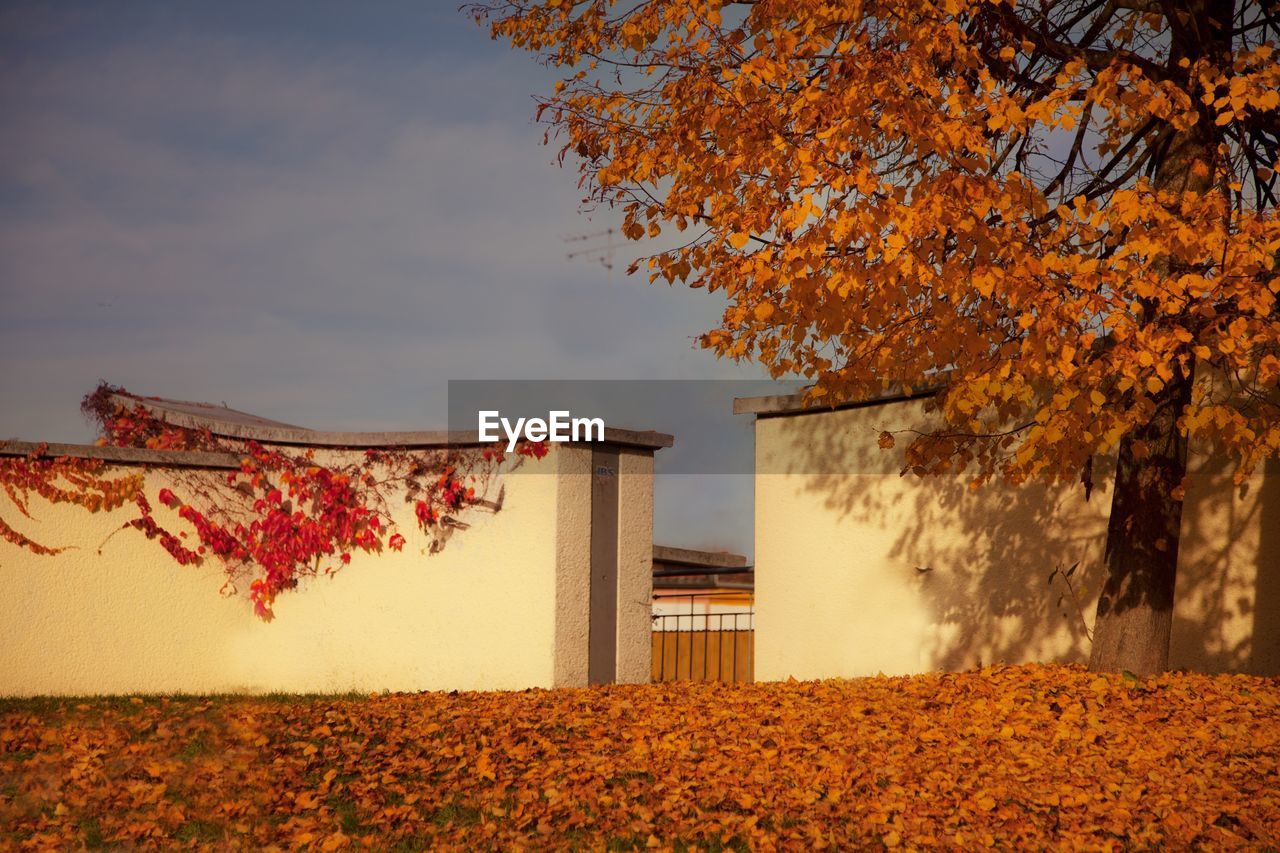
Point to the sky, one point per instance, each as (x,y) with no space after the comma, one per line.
(320,213)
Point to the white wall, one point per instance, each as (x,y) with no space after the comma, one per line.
(492,610)
(859,570)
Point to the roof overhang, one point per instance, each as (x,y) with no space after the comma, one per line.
(669,561)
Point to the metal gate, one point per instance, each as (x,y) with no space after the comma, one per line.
(703,636)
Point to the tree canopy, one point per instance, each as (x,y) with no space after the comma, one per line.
(1066,206)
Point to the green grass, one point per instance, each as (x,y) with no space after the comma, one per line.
(45,705)
(456,813)
(203,831)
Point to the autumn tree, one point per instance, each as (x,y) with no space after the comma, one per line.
(1067,206)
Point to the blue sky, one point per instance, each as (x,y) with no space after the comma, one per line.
(317,212)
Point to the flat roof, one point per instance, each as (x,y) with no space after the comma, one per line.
(672,559)
(695,569)
(664,585)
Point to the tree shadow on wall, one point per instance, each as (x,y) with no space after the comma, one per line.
(1010,573)
(1229,573)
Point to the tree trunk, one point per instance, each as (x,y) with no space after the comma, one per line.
(1135,610)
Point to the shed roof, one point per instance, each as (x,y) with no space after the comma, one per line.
(223,420)
(675,560)
(687,568)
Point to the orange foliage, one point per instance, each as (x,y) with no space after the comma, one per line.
(1020,756)
(1069,207)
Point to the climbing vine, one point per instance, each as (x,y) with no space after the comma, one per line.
(283,515)
(60,480)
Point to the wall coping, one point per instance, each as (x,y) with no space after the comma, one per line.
(799,404)
(122,455)
(225,421)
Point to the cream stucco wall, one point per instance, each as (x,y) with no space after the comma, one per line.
(573,558)
(859,570)
(635,566)
(498,607)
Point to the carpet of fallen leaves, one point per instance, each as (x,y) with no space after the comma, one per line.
(1006,755)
